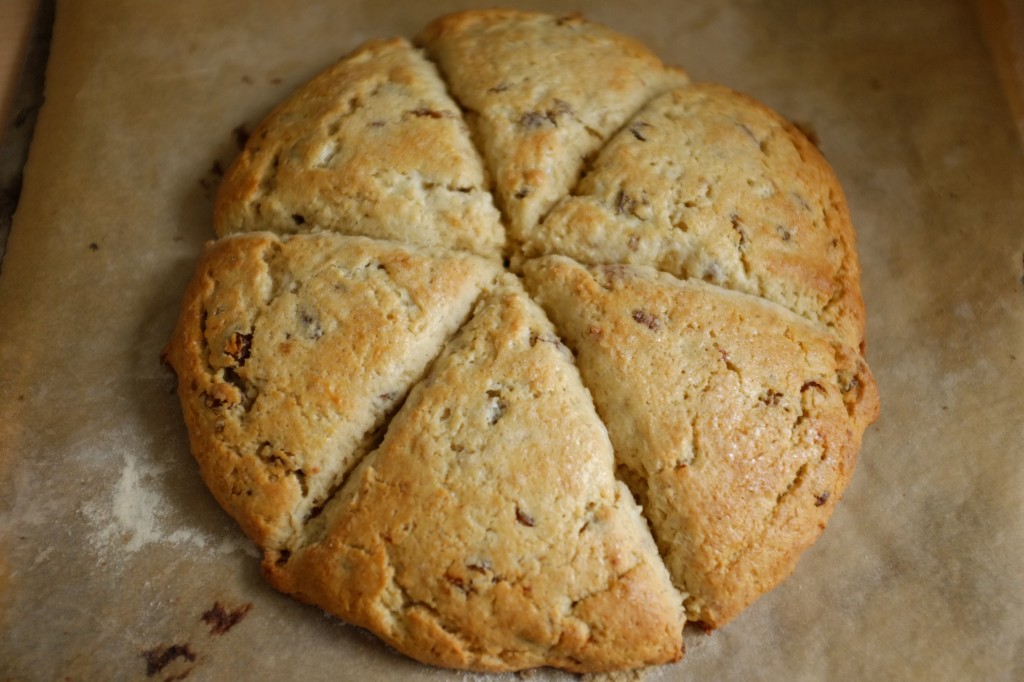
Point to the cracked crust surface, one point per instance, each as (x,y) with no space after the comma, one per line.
(373,146)
(709,184)
(735,422)
(541,93)
(291,352)
(488,530)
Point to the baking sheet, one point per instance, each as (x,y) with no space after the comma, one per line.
(115,563)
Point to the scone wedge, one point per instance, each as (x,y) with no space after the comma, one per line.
(735,422)
(541,94)
(709,184)
(292,352)
(373,146)
(488,531)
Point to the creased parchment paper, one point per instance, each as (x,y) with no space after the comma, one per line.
(115,563)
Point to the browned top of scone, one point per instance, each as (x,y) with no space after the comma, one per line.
(707,183)
(488,531)
(291,352)
(373,146)
(541,93)
(735,422)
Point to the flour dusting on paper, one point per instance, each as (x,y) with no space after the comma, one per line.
(135,513)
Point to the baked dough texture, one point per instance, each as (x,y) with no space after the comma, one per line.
(488,529)
(737,444)
(373,146)
(519,349)
(294,351)
(542,95)
(706,183)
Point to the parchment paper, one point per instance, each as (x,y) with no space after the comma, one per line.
(112,551)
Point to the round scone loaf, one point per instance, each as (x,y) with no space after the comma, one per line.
(519,349)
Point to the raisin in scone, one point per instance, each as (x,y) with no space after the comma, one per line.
(519,349)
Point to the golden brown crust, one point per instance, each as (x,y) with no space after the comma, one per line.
(372,146)
(709,184)
(735,422)
(283,380)
(541,93)
(488,531)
